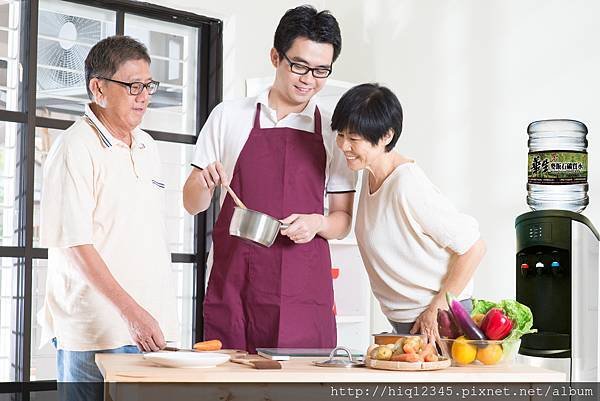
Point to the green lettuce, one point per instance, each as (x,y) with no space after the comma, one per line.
(520,315)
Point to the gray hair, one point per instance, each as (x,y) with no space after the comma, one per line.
(105,58)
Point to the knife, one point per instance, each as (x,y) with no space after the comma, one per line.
(175,349)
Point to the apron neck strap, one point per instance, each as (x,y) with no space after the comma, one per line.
(317,121)
(257,116)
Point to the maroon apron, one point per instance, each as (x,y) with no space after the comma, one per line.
(280,296)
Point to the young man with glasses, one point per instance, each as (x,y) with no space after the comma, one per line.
(109,287)
(277,152)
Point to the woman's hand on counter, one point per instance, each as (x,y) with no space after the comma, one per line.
(427,323)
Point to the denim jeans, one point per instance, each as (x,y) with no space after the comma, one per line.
(78,376)
(404,328)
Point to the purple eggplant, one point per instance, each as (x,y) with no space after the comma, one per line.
(447,327)
(464,321)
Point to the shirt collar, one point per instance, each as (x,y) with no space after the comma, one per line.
(106,137)
(309,110)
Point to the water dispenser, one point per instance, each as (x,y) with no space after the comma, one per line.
(557,267)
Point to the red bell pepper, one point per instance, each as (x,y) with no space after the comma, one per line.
(496,325)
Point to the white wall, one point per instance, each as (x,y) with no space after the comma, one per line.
(471,75)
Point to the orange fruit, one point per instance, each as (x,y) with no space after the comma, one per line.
(490,355)
(462,351)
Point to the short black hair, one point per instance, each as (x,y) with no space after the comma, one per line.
(369,110)
(306,22)
(105,58)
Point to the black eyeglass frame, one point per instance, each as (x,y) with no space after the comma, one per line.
(130,85)
(306,68)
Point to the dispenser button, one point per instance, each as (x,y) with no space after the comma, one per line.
(555,264)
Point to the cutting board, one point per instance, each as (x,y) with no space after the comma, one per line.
(234,353)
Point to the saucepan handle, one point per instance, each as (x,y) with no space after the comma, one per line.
(283,226)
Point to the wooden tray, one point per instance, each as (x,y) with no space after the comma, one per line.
(394,365)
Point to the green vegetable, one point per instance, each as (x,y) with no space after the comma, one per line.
(520,315)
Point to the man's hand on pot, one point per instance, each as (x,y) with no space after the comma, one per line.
(302,227)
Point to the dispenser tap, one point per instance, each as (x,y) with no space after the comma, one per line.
(522,258)
(539,268)
(524,269)
(556,268)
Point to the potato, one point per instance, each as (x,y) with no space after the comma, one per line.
(383,354)
(373,351)
(412,344)
(398,351)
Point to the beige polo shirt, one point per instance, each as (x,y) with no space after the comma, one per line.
(99,191)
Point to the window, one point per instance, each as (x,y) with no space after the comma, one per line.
(10,85)
(173,53)
(49,52)
(10,333)
(66,33)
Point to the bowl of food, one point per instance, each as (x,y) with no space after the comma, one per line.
(489,335)
(465,352)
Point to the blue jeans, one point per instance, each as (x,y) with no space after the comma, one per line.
(404,328)
(78,376)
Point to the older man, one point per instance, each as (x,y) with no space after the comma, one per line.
(109,286)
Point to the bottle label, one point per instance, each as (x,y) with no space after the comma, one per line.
(557,167)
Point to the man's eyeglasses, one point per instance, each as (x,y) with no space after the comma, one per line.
(135,88)
(302,69)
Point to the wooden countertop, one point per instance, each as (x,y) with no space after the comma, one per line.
(133,368)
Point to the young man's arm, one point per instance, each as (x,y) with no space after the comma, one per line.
(336,225)
(200,186)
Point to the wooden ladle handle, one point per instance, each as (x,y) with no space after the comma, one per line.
(235,197)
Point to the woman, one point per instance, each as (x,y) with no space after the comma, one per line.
(415,245)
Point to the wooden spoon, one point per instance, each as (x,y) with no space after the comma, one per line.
(235,197)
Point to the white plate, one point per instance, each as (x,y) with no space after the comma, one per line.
(182,359)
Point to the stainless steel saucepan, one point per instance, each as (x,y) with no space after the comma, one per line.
(254,226)
(251,225)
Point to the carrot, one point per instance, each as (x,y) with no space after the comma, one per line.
(427,350)
(408,358)
(210,345)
